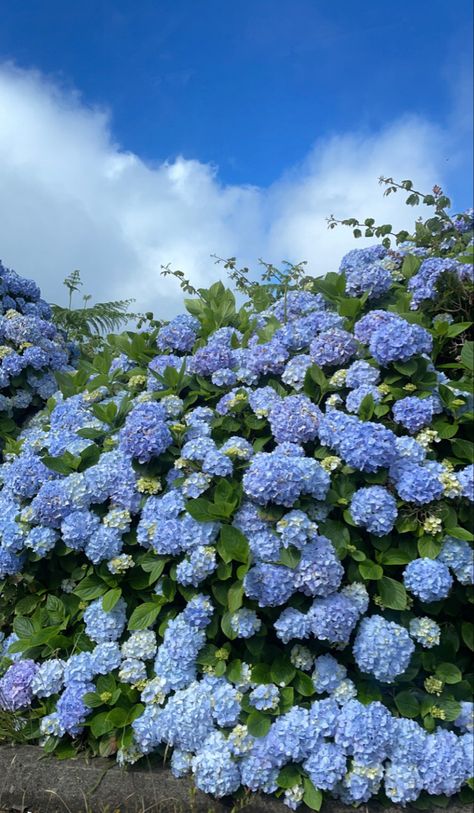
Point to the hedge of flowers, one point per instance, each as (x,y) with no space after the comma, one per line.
(243,542)
(32,349)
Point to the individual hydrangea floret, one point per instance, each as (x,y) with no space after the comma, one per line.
(382,648)
(375,509)
(428,579)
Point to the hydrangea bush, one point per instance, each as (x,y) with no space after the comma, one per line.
(243,539)
(32,350)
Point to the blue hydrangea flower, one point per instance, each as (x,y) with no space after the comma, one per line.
(326,766)
(145,434)
(214,769)
(375,509)
(48,679)
(425,631)
(265,697)
(382,648)
(294,419)
(245,623)
(355,397)
(16,685)
(413,413)
(428,579)
(104,626)
(328,674)
(179,334)
(333,618)
(458,555)
(333,346)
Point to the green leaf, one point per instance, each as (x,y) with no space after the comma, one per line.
(101,724)
(23,627)
(370,571)
(144,616)
(290,557)
(232,545)
(460,533)
(303,684)
(90,588)
(289,775)
(366,409)
(395,556)
(467,631)
(261,673)
(92,699)
(226,626)
(449,673)
(392,594)
(110,599)
(467,355)
(282,671)
(313,797)
(428,547)
(407,704)
(258,724)
(451,708)
(201,509)
(234,596)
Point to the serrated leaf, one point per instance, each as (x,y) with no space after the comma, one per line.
(144,616)
(407,704)
(258,724)
(449,673)
(110,599)
(313,797)
(392,594)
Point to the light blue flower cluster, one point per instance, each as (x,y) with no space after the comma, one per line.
(458,555)
(382,648)
(145,434)
(375,509)
(413,413)
(364,445)
(32,349)
(154,498)
(294,419)
(423,285)
(391,338)
(365,272)
(333,347)
(179,334)
(428,579)
(283,475)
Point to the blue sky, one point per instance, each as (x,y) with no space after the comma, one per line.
(259,89)
(247,85)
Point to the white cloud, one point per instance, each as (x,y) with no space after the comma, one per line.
(71,197)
